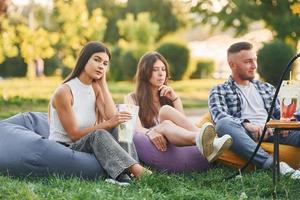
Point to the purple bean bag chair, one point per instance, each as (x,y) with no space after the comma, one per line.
(174,160)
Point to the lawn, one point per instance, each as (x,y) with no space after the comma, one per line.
(20,95)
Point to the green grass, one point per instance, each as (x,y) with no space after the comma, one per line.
(201,185)
(21,95)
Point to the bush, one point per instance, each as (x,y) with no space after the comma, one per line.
(272,59)
(204,69)
(115,72)
(123,64)
(178,57)
(51,65)
(13,67)
(129,62)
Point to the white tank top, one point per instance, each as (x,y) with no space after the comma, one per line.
(84,102)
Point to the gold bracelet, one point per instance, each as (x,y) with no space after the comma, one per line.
(174,99)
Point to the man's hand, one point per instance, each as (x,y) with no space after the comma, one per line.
(284,133)
(256,131)
(158,140)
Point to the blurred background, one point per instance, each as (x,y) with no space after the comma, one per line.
(40,40)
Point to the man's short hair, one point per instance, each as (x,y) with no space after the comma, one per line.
(239,46)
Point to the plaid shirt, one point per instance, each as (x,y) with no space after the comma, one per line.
(225,101)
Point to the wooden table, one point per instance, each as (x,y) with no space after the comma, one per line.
(279,125)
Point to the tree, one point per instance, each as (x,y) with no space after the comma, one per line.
(3,6)
(169,14)
(140,33)
(35,45)
(8,39)
(76,27)
(277,15)
(112,10)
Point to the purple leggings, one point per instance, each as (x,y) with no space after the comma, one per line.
(175,159)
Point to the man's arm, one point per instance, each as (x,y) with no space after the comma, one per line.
(218,107)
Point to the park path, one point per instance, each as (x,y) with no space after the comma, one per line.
(194,114)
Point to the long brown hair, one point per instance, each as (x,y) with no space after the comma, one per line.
(143,94)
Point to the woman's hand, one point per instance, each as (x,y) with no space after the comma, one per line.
(102,80)
(118,118)
(158,140)
(168,92)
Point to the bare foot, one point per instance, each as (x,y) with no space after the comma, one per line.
(138,170)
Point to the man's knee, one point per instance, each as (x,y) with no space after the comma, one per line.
(225,126)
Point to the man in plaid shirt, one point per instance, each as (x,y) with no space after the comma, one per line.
(239,107)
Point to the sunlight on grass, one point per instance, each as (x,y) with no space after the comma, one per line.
(194,93)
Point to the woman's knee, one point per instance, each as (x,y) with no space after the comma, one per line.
(164,126)
(101,134)
(164,112)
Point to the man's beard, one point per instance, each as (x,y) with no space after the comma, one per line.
(246,77)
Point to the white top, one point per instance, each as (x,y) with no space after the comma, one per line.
(84,102)
(130,99)
(252,104)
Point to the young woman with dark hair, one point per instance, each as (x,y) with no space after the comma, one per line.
(83,115)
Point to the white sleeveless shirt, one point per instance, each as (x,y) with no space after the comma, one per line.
(84,102)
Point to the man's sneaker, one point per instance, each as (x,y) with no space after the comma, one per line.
(296,175)
(219,146)
(285,169)
(122,180)
(205,138)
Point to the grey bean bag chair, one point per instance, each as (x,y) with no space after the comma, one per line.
(26,151)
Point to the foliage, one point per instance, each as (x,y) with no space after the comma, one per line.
(139,33)
(272,59)
(35,45)
(113,10)
(160,10)
(239,14)
(115,73)
(168,14)
(129,62)
(204,69)
(13,67)
(194,185)
(8,39)
(177,56)
(51,65)
(75,27)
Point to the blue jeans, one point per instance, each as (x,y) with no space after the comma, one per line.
(244,145)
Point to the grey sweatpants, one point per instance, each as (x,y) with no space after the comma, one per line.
(111,156)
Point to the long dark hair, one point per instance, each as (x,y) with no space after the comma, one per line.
(86,52)
(143,94)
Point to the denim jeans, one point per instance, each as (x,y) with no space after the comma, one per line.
(111,156)
(244,145)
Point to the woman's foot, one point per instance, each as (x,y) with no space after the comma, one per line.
(219,146)
(205,138)
(138,171)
